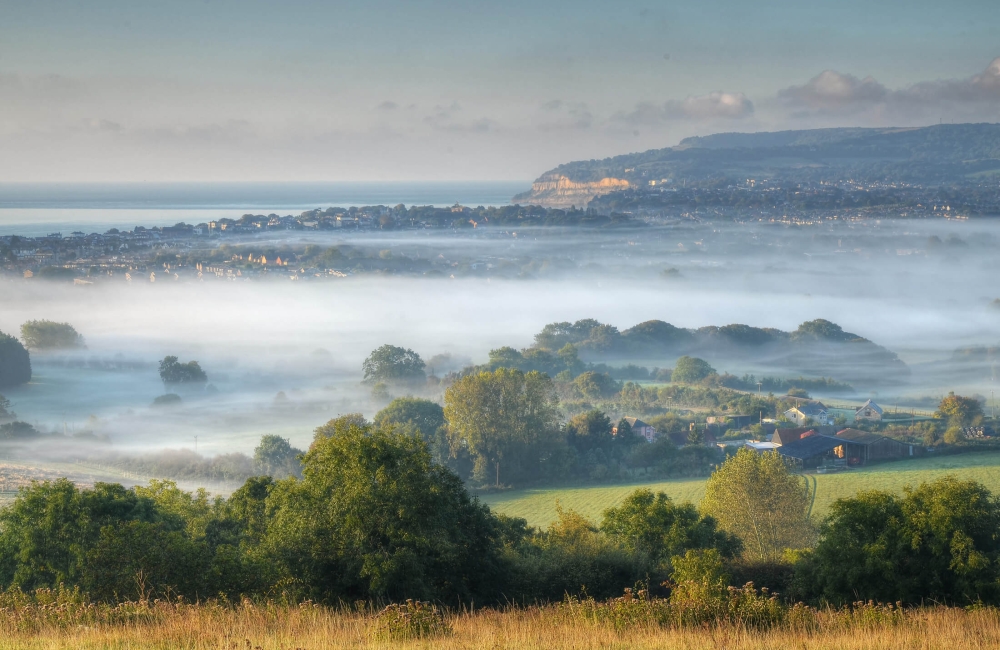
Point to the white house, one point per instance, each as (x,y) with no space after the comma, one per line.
(809,413)
(869,411)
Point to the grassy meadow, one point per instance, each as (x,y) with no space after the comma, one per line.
(279,627)
(539,506)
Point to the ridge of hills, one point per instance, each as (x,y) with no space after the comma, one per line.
(933,155)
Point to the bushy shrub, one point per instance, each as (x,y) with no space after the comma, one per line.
(413,619)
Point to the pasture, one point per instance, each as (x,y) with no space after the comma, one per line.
(538,506)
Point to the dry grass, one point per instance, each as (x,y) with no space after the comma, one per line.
(268,627)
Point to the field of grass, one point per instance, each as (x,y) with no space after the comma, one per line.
(539,506)
(276,627)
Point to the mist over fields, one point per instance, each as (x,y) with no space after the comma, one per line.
(921,289)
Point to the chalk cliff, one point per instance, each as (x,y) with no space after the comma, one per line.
(555,190)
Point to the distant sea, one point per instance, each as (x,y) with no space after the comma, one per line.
(34,209)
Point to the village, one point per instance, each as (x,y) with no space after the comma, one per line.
(818,443)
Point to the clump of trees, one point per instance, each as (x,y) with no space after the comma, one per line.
(175,374)
(502,418)
(49,335)
(374,518)
(392,364)
(275,456)
(15,362)
(691,370)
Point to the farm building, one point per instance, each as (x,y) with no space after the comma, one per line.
(784,436)
(812,451)
(869,411)
(849,447)
(865,447)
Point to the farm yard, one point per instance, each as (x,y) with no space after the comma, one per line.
(538,506)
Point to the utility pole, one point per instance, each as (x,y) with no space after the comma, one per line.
(759,384)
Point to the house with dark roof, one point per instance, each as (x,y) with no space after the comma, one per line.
(869,411)
(849,447)
(783,436)
(639,428)
(812,451)
(865,447)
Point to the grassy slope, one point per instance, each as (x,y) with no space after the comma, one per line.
(539,506)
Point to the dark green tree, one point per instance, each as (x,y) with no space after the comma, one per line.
(421,417)
(373,517)
(423,414)
(15,362)
(276,457)
(173,373)
(590,430)
(937,542)
(655,525)
(596,385)
(690,370)
(109,540)
(392,364)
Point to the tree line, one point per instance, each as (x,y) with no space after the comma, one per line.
(374,518)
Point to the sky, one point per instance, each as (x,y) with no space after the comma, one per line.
(302,90)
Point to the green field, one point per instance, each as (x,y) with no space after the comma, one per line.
(539,506)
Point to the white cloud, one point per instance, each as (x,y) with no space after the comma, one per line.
(832,90)
(833,93)
(713,106)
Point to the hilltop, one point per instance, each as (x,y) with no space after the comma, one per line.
(933,155)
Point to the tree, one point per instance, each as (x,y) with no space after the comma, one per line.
(420,417)
(423,414)
(937,542)
(499,414)
(340,425)
(173,373)
(655,525)
(756,498)
(47,335)
(690,370)
(590,430)
(374,518)
(393,364)
(5,412)
(15,362)
(111,541)
(276,457)
(596,385)
(960,411)
(17,431)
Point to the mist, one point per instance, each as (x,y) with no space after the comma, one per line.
(916,288)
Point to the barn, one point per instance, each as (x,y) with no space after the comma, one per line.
(864,447)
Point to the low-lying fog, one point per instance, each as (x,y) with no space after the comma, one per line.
(920,288)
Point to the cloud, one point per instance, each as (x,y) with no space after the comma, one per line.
(559,115)
(713,106)
(832,92)
(388,105)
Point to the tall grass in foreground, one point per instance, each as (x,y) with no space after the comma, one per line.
(64,620)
